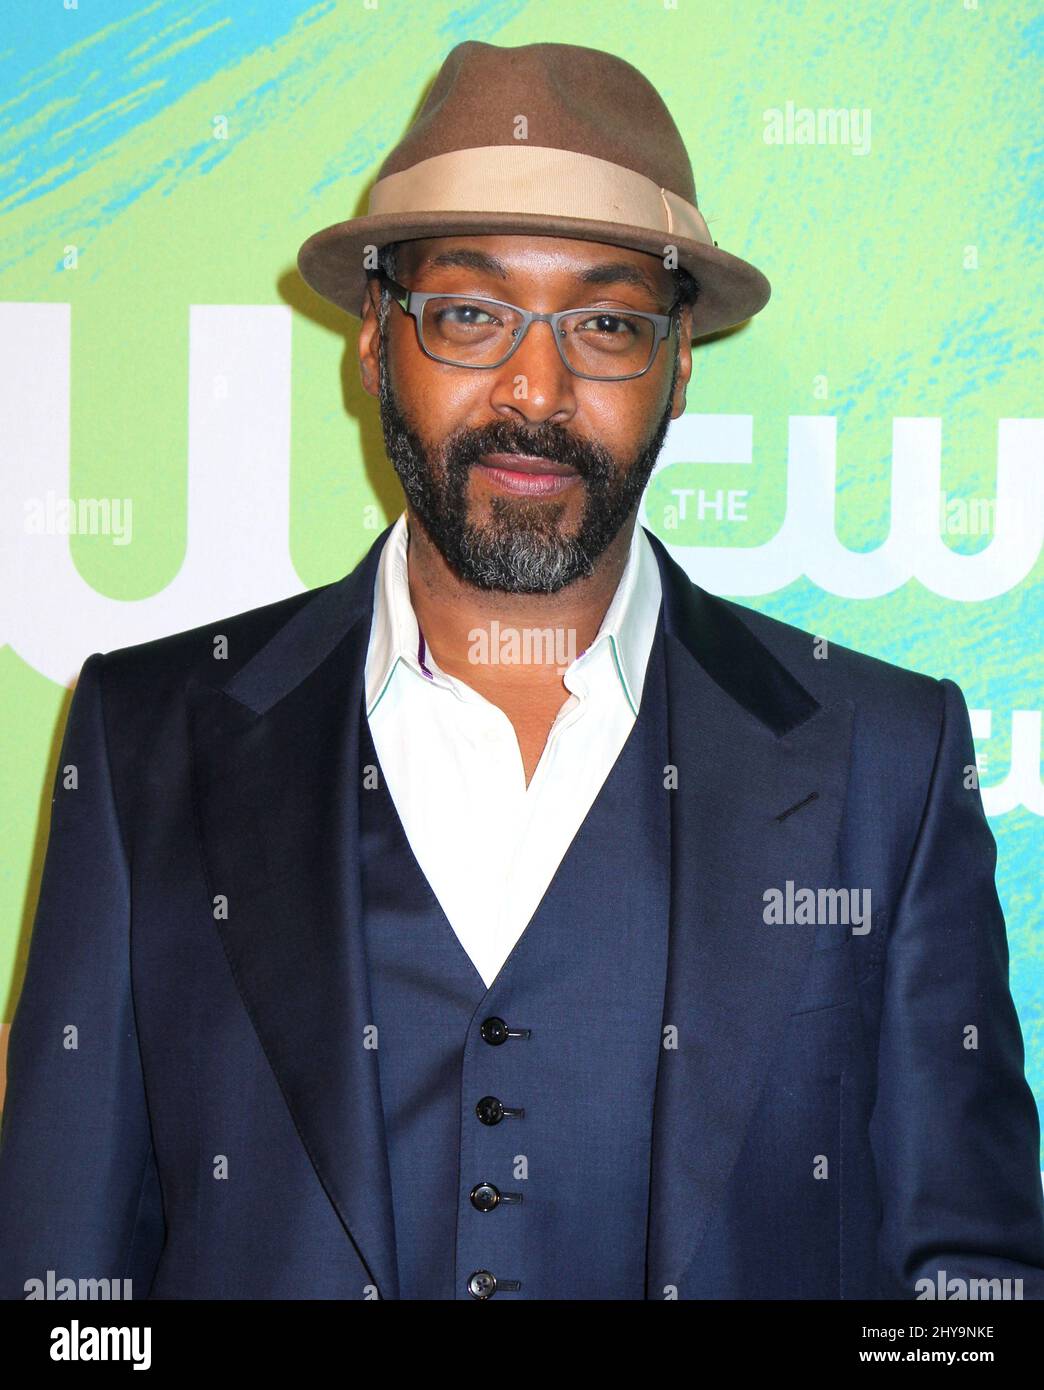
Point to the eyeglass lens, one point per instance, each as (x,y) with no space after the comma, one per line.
(603,343)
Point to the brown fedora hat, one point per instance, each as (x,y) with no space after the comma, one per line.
(549,139)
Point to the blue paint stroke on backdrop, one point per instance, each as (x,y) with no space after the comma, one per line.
(79,80)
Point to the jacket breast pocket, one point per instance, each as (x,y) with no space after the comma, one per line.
(830,977)
(824,1025)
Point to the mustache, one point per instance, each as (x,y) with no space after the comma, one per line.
(465,449)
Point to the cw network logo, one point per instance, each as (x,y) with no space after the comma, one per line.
(806,544)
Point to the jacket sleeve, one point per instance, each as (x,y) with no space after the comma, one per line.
(955,1130)
(79,1194)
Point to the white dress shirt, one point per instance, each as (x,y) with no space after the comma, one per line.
(488,844)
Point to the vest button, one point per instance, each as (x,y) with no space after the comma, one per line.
(489,1110)
(484,1197)
(494,1031)
(481,1284)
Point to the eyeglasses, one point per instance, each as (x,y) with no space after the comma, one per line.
(467,330)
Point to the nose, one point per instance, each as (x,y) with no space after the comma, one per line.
(534,382)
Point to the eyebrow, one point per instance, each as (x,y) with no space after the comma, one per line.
(605,273)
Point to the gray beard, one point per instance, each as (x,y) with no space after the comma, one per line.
(520,550)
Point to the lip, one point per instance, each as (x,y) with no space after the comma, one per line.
(527,475)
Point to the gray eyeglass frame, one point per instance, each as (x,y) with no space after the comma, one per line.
(412,302)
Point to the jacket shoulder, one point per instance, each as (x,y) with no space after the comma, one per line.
(223,645)
(830,671)
(196,654)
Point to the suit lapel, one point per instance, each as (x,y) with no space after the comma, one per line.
(275,754)
(749,743)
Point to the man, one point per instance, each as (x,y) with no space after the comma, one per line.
(390,957)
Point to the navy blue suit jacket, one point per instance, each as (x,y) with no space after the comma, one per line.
(839,1114)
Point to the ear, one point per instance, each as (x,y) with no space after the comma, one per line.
(369,340)
(684,350)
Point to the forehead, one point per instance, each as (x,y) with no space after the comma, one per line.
(509,258)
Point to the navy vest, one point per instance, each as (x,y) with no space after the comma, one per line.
(519,1118)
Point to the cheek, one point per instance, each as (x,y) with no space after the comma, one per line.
(436,400)
(622,418)
(449,397)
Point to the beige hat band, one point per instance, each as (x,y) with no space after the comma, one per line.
(537,179)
